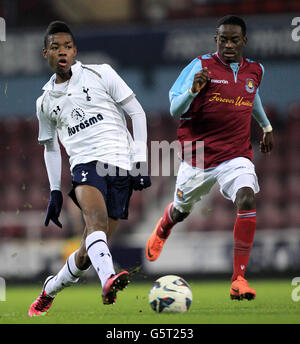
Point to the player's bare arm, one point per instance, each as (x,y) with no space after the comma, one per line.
(200,80)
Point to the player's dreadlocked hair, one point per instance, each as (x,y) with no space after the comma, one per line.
(55,27)
(232,20)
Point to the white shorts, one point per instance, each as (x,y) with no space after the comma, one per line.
(192,183)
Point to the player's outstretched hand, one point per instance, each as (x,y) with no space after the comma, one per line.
(142,180)
(267,144)
(54,208)
(200,80)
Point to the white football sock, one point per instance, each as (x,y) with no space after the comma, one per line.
(98,251)
(69,274)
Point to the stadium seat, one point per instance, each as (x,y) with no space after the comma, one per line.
(26,185)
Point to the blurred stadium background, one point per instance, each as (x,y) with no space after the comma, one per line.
(148,42)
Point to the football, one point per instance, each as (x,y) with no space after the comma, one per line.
(170,294)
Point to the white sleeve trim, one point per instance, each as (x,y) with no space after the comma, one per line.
(268,129)
(193,93)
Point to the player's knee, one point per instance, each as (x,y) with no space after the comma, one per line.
(95,220)
(245,199)
(178,216)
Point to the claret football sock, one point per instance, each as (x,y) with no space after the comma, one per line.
(100,256)
(243,234)
(167,223)
(68,275)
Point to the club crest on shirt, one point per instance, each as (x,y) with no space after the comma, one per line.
(250,85)
(179,194)
(78,114)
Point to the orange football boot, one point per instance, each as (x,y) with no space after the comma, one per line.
(154,244)
(240,290)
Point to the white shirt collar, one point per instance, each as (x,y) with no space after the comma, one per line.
(74,68)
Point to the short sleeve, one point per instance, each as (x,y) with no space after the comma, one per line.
(115,85)
(47,127)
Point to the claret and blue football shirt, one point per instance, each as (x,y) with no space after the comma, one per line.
(220,114)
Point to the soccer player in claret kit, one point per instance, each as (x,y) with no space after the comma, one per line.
(215,97)
(84,106)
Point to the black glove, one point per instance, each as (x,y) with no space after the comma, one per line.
(54,208)
(142,180)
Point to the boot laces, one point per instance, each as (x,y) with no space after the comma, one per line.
(42,302)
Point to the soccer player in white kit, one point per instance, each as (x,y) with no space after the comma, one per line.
(84,106)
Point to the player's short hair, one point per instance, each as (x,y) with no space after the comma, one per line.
(232,20)
(55,27)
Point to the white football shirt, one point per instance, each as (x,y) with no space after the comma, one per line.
(87,116)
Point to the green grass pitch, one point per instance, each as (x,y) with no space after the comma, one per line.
(82,304)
